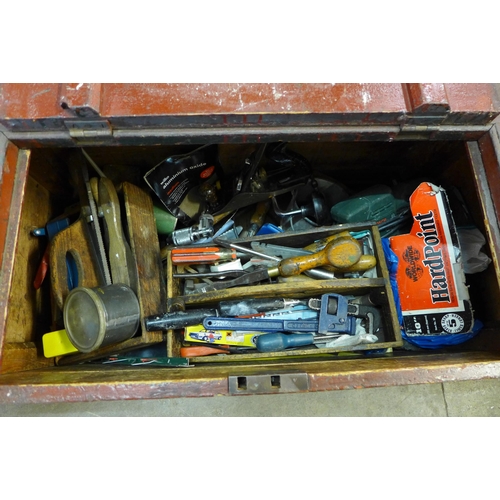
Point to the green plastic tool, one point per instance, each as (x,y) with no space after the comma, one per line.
(376,204)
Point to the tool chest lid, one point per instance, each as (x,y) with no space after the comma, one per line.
(113,113)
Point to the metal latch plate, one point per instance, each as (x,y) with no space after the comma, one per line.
(268,384)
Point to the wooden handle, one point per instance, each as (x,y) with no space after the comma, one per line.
(341,253)
(75,239)
(259,215)
(110,205)
(364,263)
(320,244)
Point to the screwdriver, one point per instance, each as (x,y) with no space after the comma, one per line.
(364,263)
(202,255)
(313,273)
(192,351)
(269,342)
(342,253)
(320,244)
(257,219)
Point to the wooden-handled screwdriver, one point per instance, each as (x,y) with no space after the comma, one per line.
(342,253)
(365,262)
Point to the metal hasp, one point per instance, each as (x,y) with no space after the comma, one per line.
(268,384)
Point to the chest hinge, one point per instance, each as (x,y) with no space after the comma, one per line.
(89,132)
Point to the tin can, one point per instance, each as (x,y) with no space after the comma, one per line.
(100,316)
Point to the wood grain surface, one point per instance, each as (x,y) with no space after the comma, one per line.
(22,356)
(145,248)
(24,300)
(75,240)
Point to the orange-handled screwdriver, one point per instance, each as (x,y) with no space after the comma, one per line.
(202,255)
(202,350)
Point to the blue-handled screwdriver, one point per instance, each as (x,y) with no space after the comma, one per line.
(269,342)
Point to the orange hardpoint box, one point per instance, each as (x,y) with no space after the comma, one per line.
(430,277)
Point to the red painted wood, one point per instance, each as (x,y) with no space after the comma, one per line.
(23,101)
(204,98)
(35,101)
(467,97)
(7,177)
(491,167)
(82,98)
(96,384)
(29,100)
(428,97)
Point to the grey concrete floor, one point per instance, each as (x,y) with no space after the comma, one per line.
(454,399)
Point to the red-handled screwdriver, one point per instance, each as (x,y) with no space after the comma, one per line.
(203,255)
(203,350)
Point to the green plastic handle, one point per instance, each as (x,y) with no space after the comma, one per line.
(270,342)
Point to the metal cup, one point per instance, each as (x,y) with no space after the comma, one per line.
(100,316)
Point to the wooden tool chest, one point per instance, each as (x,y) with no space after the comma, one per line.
(360,135)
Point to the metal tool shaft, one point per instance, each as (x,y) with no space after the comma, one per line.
(249,251)
(103,262)
(313,273)
(178,319)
